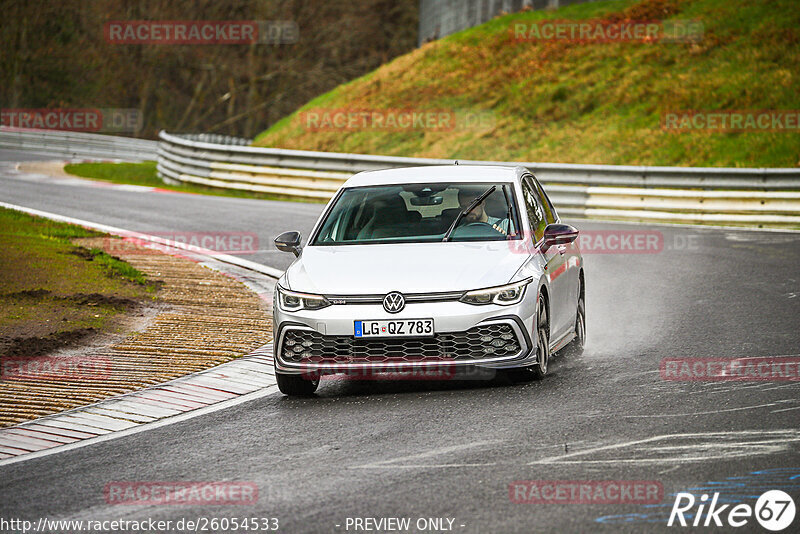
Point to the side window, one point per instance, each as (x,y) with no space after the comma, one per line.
(549,211)
(536,213)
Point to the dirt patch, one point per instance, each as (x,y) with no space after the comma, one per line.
(54,292)
(97,299)
(49,168)
(51,325)
(30,347)
(82,299)
(82,253)
(30,294)
(202,319)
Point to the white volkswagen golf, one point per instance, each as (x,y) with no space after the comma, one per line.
(446,266)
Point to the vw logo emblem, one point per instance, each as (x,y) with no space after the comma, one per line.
(394,302)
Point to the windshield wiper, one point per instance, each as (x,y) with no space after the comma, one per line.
(466,210)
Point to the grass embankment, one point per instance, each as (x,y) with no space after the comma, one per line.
(145,174)
(584,103)
(52,292)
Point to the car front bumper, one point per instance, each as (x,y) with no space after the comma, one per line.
(464,335)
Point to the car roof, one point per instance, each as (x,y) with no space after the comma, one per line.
(437,173)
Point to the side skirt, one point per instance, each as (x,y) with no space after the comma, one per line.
(561,343)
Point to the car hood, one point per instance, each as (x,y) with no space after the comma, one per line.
(407,267)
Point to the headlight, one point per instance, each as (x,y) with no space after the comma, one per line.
(294,301)
(504,295)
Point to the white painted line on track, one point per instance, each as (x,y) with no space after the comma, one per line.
(224,258)
(702,446)
(217,388)
(692,414)
(394,463)
(148,426)
(99,427)
(785,410)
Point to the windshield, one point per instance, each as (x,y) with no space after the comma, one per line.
(410,213)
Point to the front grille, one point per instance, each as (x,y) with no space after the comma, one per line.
(410,297)
(478,343)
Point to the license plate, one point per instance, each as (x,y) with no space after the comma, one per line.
(395,328)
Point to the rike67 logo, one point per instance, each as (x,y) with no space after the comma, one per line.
(774,510)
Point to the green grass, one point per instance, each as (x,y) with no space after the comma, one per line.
(584,103)
(119,173)
(51,289)
(145,174)
(115,265)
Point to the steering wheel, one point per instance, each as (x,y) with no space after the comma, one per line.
(481,223)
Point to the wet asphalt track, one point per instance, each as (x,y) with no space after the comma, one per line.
(450,449)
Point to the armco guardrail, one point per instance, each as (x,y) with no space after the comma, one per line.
(75,145)
(750,197)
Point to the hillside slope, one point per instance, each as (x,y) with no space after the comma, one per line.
(590,102)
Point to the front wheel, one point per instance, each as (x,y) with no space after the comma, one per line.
(296,385)
(539,369)
(575,347)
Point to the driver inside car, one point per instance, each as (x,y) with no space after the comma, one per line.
(478,213)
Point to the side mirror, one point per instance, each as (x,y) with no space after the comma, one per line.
(288,242)
(559,234)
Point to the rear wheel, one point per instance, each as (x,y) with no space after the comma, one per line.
(539,369)
(296,385)
(575,347)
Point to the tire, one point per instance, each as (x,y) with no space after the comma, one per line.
(575,347)
(539,369)
(296,385)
